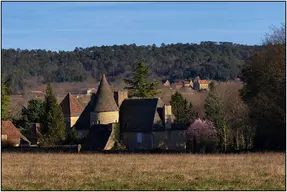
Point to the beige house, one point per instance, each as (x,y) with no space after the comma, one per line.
(199,84)
(144,123)
(71,109)
(11,136)
(148,124)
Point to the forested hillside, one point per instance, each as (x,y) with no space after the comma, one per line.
(220,61)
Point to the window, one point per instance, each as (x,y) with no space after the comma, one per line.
(139,137)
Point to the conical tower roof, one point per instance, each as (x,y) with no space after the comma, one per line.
(104,100)
(70,106)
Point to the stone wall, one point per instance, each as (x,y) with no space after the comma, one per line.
(104,117)
(170,139)
(130,140)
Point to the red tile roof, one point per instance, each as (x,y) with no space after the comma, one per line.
(37,92)
(7,128)
(179,83)
(166,83)
(70,106)
(203,81)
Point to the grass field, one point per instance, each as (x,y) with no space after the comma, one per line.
(257,171)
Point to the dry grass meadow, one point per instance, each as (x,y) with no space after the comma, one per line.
(256,171)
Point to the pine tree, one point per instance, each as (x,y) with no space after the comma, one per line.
(53,128)
(181,109)
(139,85)
(5,99)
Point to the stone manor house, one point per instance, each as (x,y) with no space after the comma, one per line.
(144,123)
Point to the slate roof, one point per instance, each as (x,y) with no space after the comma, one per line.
(84,120)
(8,128)
(104,100)
(70,106)
(98,137)
(104,93)
(138,115)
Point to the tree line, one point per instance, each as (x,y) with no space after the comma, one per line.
(209,60)
(252,119)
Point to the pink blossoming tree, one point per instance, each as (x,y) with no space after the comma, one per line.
(201,136)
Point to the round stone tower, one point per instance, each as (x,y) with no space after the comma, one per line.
(105,110)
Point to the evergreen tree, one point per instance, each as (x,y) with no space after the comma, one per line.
(139,85)
(5,99)
(72,137)
(181,109)
(214,111)
(53,128)
(30,114)
(211,86)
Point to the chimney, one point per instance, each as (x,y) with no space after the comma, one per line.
(35,133)
(167,114)
(120,96)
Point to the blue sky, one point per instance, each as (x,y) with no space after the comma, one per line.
(66,25)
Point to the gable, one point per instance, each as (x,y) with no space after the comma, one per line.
(70,106)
